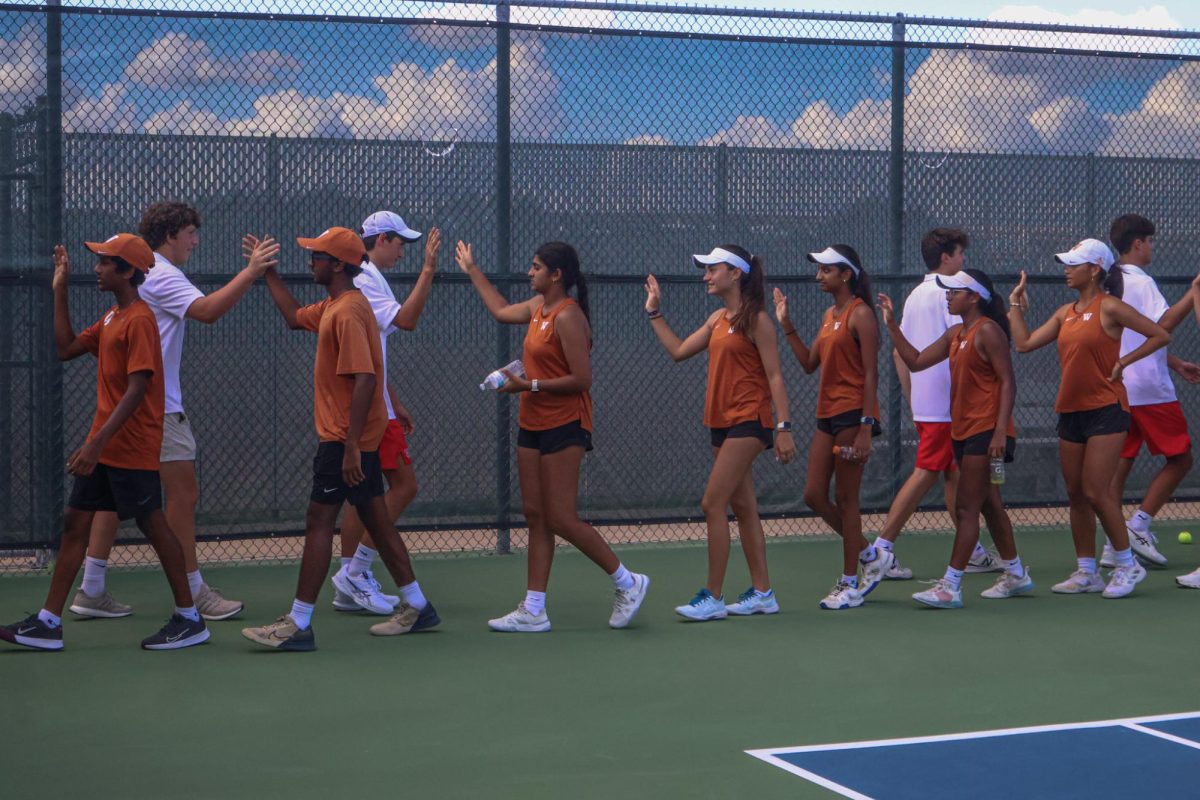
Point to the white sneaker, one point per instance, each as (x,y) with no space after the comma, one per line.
(873,571)
(1123,579)
(897,572)
(751,602)
(988,562)
(361,591)
(521,621)
(343,601)
(1079,582)
(841,597)
(626,602)
(1108,558)
(940,595)
(394,599)
(703,607)
(1189,581)
(1144,546)
(1009,585)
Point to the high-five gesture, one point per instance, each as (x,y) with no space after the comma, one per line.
(62,268)
(433,243)
(653,295)
(464,254)
(889,311)
(781,308)
(1019,298)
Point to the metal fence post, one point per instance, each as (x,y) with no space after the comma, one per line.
(7,324)
(896,242)
(503,267)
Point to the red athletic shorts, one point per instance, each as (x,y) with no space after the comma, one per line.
(934,451)
(394,447)
(1161,426)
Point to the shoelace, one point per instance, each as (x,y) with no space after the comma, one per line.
(746,595)
(700,598)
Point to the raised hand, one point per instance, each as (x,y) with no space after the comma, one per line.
(889,310)
(433,243)
(1019,297)
(781,307)
(465,256)
(653,294)
(62,268)
(263,256)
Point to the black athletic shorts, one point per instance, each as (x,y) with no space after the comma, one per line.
(743,430)
(977,445)
(551,440)
(129,492)
(329,488)
(1079,426)
(848,419)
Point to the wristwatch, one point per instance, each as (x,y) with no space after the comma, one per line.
(868,421)
(783,427)
(533,387)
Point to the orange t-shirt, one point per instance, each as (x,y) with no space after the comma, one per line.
(544,359)
(737,383)
(974,388)
(125,340)
(840,388)
(347,345)
(1086,357)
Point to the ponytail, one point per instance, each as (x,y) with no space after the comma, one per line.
(562,257)
(991,308)
(752,286)
(1114,282)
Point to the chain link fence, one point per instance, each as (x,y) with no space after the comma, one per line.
(639,133)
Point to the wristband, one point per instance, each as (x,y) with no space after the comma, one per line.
(655,314)
(783,427)
(868,421)
(533,386)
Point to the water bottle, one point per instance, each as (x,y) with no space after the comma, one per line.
(497,378)
(997,470)
(845,452)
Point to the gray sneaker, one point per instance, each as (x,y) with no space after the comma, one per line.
(213,606)
(101,606)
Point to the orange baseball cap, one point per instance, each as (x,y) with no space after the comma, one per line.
(341,243)
(127,246)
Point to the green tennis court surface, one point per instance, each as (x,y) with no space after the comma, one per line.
(666,709)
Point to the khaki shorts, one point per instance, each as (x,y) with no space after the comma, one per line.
(178,443)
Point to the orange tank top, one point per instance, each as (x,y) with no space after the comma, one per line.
(544,359)
(737,383)
(974,388)
(840,388)
(1086,357)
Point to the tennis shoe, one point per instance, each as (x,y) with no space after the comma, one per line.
(626,602)
(283,634)
(101,606)
(897,572)
(1145,546)
(752,602)
(1079,582)
(841,597)
(1122,581)
(521,621)
(1189,581)
(178,633)
(940,595)
(1009,585)
(32,632)
(703,607)
(874,570)
(360,589)
(987,562)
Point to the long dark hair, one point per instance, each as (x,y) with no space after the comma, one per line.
(860,283)
(752,287)
(562,257)
(1113,281)
(992,308)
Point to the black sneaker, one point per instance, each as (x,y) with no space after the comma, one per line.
(428,618)
(32,632)
(179,632)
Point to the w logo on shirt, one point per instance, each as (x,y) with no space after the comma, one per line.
(962,344)
(1087,316)
(545,324)
(109,316)
(731,330)
(837,325)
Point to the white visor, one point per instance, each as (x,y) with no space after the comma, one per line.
(831,256)
(1089,251)
(720,256)
(962,280)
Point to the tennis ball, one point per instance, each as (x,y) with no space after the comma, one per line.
(1185,537)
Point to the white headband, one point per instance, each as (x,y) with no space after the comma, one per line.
(831,256)
(961,280)
(722,256)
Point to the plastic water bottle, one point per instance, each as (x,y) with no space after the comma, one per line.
(845,452)
(497,378)
(997,470)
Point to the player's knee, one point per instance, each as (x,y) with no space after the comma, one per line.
(814,497)
(711,504)
(1183,461)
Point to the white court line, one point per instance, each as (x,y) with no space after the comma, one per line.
(771,755)
(1170,737)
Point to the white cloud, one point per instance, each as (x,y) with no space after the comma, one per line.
(868,125)
(176,60)
(751,131)
(1154,18)
(1167,124)
(109,112)
(22,69)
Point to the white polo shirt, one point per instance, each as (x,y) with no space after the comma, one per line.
(383,303)
(1147,381)
(170,294)
(923,321)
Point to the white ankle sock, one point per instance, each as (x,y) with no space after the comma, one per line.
(346,562)
(883,544)
(53,620)
(868,555)
(302,614)
(195,582)
(953,577)
(363,557)
(1124,557)
(535,602)
(622,578)
(188,613)
(1087,565)
(850,580)
(1140,521)
(1014,567)
(411,593)
(93,576)
(979,551)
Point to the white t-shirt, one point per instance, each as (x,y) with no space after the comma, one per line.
(924,319)
(383,303)
(1147,381)
(169,294)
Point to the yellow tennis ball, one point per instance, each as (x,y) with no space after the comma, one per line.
(1185,537)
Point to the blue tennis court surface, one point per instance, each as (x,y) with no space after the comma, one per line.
(1137,757)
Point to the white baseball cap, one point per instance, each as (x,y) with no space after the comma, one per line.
(1089,251)
(387,222)
(831,256)
(961,280)
(719,255)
